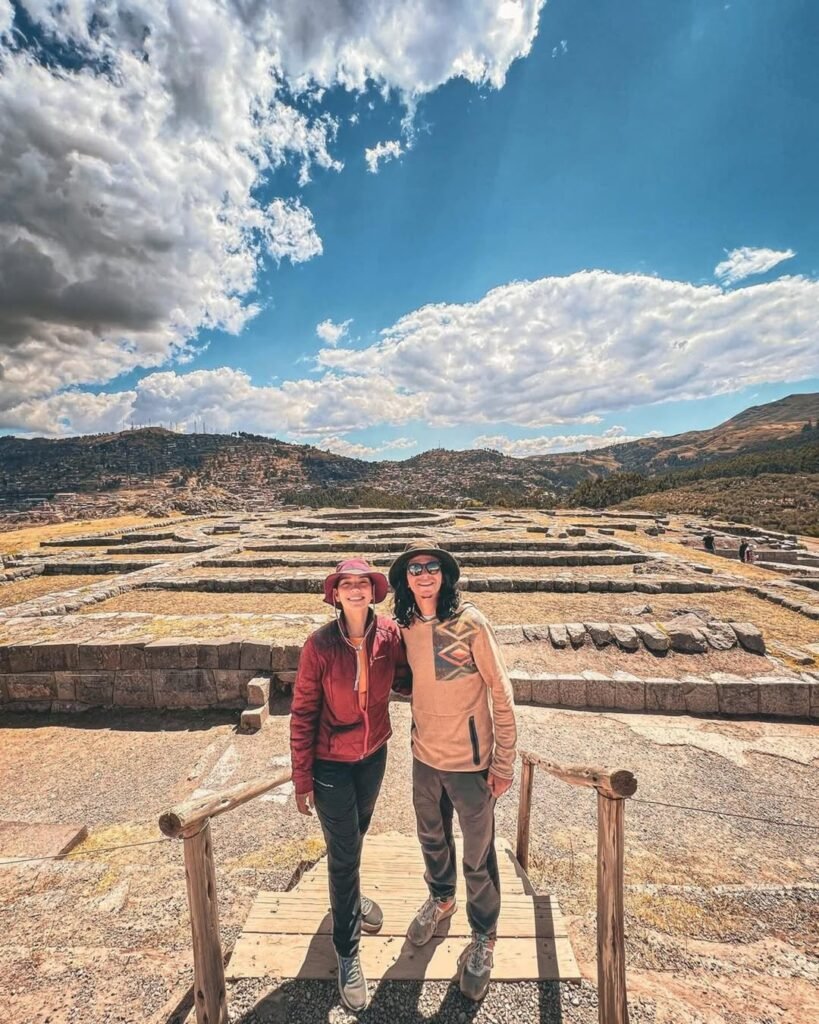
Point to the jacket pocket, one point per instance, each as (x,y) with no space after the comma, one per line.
(473,736)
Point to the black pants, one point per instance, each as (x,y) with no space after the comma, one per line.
(345,796)
(435,795)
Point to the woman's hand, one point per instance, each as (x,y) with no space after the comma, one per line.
(498,785)
(305,802)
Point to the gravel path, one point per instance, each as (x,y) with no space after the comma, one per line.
(104,937)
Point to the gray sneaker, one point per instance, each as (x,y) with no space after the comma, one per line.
(352,985)
(427,919)
(372,917)
(476,966)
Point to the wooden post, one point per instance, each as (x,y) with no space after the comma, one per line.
(524,813)
(208,968)
(611,949)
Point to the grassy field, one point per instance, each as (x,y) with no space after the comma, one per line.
(777,623)
(30,538)
(38,586)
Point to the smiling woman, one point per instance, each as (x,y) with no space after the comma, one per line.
(339,728)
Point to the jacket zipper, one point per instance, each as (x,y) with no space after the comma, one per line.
(473,735)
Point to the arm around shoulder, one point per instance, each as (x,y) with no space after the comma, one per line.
(492,667)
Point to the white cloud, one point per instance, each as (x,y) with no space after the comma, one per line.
(561,49)
(523,446)
(381,153)
(556,350)
(330,333)
(354,450)
(129,174)
(744,262)
(6,16)
(559,350)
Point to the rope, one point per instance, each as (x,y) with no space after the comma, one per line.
(88,853)
(727,814)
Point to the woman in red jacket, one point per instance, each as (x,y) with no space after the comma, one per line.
(339,728)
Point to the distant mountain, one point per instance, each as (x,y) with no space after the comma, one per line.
(148,466)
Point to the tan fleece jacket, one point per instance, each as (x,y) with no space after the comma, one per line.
(463,709)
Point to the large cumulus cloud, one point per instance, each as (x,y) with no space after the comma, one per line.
(135,134)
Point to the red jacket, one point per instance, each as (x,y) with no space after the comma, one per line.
(325,719)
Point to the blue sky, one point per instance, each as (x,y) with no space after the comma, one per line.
(645,143)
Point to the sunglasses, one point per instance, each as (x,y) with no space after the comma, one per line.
(416,568)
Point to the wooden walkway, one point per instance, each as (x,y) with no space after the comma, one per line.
(288,934)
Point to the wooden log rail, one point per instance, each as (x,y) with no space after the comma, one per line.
(190,821)
(613,788)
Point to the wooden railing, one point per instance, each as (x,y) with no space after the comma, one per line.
(191,822)
(613,788)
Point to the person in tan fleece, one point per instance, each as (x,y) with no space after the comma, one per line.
(463,745)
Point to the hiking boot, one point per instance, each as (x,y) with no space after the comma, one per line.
(372,917)
(352,985)
(476,966)
(428,918)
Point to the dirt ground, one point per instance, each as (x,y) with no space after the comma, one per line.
(38,586)
(509,608)
(722,912)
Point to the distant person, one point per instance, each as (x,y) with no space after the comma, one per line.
(750,554)
(339,728)
(708,542)
(463,745)
(743,550)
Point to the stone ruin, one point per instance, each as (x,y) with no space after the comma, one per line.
(605,617)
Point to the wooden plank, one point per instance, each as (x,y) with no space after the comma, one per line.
(524,959)
(296,917)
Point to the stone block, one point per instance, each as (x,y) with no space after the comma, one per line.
(255,655)
(788,698)
(559,635)
(621,586)
(814,700)
(183,688)
(664,694)
(700,695)
(286,678)
(601,691)
(258,691)
(654,639)
(737,696)
(252,719)
(521,686)
(630,696)
(66,685)
(31,686)
(285,657)
(572,691)
(577,633)
(749,636)
(625,637)
(600,633)
(5,661)
(134,689)
(95,688)
(163,654)
(581,586)
(99,657)
(510,634)
(720,636)
(230,684)
(132,656)
(534,634)
(545,690)
(685,639)
(229,653)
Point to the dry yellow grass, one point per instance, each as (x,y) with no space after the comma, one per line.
(30,537)
(38,586)
(502,609)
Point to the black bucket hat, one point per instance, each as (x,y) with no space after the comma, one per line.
(422,547)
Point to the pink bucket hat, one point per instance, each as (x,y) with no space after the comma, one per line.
(356,567)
